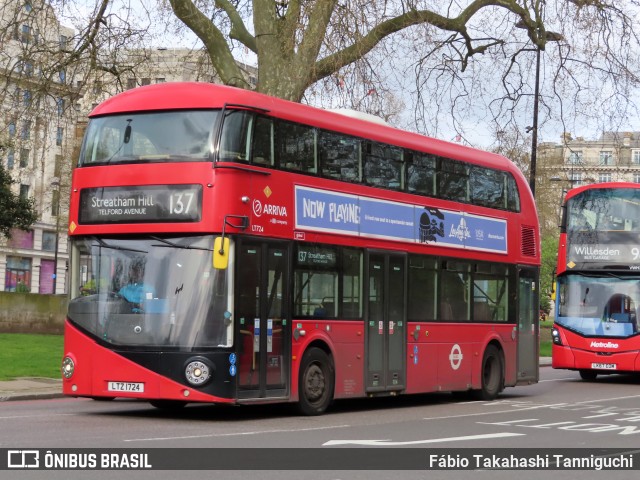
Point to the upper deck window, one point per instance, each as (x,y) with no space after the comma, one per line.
(149,137)
(248,137)
(603,210)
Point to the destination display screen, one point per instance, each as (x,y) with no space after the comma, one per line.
(141,204)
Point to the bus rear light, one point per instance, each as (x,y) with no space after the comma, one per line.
(197,372)
(68,367)
(555,336)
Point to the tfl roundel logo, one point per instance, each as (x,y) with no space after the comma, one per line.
(257,208)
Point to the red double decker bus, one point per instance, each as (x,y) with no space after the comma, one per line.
(228,247)
(598,281)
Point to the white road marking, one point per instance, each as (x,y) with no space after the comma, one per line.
(558,379)
(256,432)
(389,443)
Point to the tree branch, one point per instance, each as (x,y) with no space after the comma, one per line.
(239,31)
(213,39)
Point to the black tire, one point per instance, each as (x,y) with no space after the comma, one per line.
(168,404)
(588,375)
(491,374)
(315,382)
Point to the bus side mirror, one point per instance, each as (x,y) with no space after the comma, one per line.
(221,253)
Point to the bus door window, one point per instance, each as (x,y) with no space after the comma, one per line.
(261,307)
(248,314)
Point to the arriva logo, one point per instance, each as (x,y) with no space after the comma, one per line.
(275,210)
(604,345)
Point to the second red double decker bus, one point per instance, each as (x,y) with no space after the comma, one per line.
(598,284)
(228,247)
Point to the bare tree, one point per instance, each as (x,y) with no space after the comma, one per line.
(298,43)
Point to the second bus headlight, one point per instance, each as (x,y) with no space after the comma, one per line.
(197,372)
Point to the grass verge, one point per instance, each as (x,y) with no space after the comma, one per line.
(30,355)
(545,338)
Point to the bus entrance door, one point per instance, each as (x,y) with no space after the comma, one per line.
(262,319)
(386,322)
(528,318)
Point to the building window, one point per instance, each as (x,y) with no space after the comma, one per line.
(12,129)
(604,177)
(131,83)
(161,80)
(576,179)
(49,241)
(20,239)
(26,98)
(575,158)
(146,81)
(24,191)
(606,157)
(56,167)
(26,33)
(62,75)
(26,131)
(635,157)
(27,68)
(27,7)
(59,134)
(24,157)
(64,40)
(10,158)
(18,275)
(636,177)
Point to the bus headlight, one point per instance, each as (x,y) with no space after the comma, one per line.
(197,372)
(68,367)
(555,336)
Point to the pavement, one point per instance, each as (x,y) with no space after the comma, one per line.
(30,388)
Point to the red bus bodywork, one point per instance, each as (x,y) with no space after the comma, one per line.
(439,356)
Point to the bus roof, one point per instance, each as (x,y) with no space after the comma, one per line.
(200,95)
(599,186)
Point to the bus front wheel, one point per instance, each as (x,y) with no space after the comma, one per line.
(588,375)
(168,404)
(315,383)
(491,373)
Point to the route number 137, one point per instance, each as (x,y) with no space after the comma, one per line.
(180,203)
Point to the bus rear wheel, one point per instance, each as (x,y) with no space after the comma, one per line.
(315,383)
(492,374)
(588,375)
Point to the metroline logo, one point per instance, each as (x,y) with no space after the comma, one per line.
(604,345)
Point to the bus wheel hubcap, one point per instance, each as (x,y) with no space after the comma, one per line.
(314,384)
